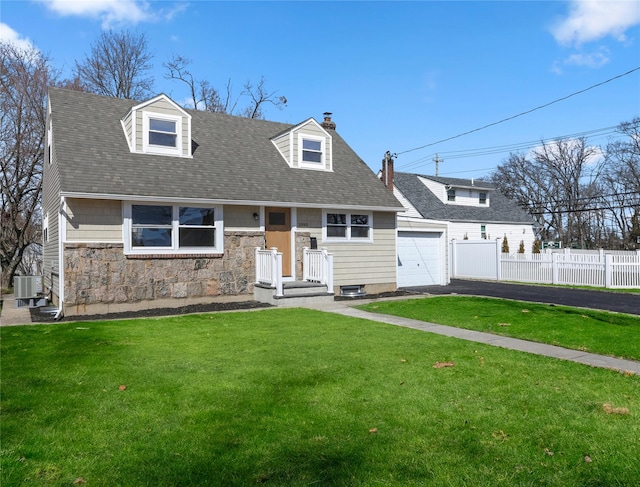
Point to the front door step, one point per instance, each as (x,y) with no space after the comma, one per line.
(296,293)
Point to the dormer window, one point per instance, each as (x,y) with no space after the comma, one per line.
(451,194)
(311,150)
(483,198)
(162,134)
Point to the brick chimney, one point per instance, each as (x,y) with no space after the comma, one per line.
(328,124)
(387,170)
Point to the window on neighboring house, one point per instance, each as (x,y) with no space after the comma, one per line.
(483,231)
(451,194)
(348,226)
(483,198)
(173,228)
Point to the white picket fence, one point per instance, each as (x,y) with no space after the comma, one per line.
(484,260)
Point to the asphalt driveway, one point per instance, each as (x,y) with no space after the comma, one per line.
(605,300)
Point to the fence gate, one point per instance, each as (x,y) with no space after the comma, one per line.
(475,259)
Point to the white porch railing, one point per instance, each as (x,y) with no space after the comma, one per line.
(269,269)
(318,267)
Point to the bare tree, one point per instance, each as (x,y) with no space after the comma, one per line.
(557,184)
(621,182)
(24,77)
(117,66)
(203,96)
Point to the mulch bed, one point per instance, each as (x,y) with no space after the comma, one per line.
(37,316)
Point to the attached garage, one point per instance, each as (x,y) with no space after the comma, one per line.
(420,259)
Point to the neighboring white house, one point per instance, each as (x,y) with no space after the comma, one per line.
(438,210)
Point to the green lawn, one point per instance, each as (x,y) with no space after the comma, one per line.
(299,397)
(593,331)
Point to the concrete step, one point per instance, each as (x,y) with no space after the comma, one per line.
(296,294)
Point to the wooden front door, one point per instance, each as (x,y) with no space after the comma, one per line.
(278,234)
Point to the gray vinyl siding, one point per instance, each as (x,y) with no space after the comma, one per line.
(51,207)
(241,218)
(93,220)
(283,143)
(358,263)
(127,124)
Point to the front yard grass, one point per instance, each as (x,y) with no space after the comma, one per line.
(301,397)
(592,331)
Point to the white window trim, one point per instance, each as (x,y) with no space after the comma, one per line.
(45,228)
(318,166)
(161,149)
(174,249)
(348,237)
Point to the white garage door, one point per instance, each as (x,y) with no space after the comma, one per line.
(419,259)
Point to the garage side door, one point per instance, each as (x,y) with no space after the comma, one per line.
(419,259)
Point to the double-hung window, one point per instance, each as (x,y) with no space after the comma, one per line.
(311,151)
(482,198)
(348,226)
(154,228)
(162,134)
(451,195)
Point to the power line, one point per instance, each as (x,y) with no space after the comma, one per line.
(517,146)
(521,113)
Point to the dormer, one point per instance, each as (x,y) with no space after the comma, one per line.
(306,146)
(158,126)
(460,193)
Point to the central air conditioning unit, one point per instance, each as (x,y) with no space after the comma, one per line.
(28,291)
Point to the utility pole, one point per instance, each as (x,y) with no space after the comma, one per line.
(437,161)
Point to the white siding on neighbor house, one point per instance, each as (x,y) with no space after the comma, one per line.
(358,263)
(436,188)
(470,197)
(515,233)
(410,210)
(93,220)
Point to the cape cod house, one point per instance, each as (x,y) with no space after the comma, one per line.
(147,204)
(439,210)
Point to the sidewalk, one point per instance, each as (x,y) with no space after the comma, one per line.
(12,315)
(591,359)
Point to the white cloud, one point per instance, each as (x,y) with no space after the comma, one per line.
(7,34)
(595,59)
(590,20)
(113,12)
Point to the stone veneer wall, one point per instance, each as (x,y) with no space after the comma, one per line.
(100,273)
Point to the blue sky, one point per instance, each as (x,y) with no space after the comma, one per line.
(396,75)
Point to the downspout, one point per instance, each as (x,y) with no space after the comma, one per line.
(61,238)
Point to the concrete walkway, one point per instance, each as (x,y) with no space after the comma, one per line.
(11,315)
(592,359)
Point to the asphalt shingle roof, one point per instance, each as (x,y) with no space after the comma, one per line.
(234,160)
(500,208)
